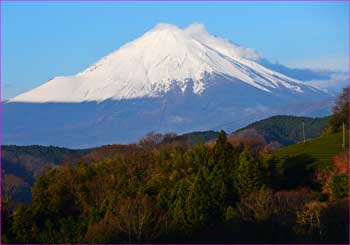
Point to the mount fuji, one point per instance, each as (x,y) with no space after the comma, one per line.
(169,79)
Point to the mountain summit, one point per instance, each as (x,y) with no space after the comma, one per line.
(164,59)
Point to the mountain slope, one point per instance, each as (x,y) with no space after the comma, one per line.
(332,81)
(163,59)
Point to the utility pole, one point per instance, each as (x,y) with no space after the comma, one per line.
(343,145)
(304,131)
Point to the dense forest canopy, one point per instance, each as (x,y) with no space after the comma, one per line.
(21,164)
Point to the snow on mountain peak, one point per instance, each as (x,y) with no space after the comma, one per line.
(150,65)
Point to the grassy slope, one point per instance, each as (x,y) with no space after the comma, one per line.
(320,151)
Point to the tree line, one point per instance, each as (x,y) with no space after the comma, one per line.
(167,193)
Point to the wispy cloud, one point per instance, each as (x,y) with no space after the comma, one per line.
(321,63)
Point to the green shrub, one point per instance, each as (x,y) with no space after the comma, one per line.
(340,185)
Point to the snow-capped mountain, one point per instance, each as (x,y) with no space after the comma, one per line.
(162,58)
(169,79)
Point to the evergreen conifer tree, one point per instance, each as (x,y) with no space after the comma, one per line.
(199,203)
(248,178)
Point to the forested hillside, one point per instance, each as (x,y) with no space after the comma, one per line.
(282,130)
(287,130)
(21,164)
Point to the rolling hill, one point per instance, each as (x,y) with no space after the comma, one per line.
(286,130)
(318,152)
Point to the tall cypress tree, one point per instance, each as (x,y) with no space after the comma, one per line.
(221,176)
(199,203)
(248,178)
(223,150)
(178,207)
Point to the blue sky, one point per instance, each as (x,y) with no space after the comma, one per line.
(41,40)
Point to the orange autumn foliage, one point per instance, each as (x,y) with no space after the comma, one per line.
(341,163)
(340,166)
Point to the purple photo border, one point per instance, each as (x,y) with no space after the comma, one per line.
(1,23)
(174,0)
(1,121)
